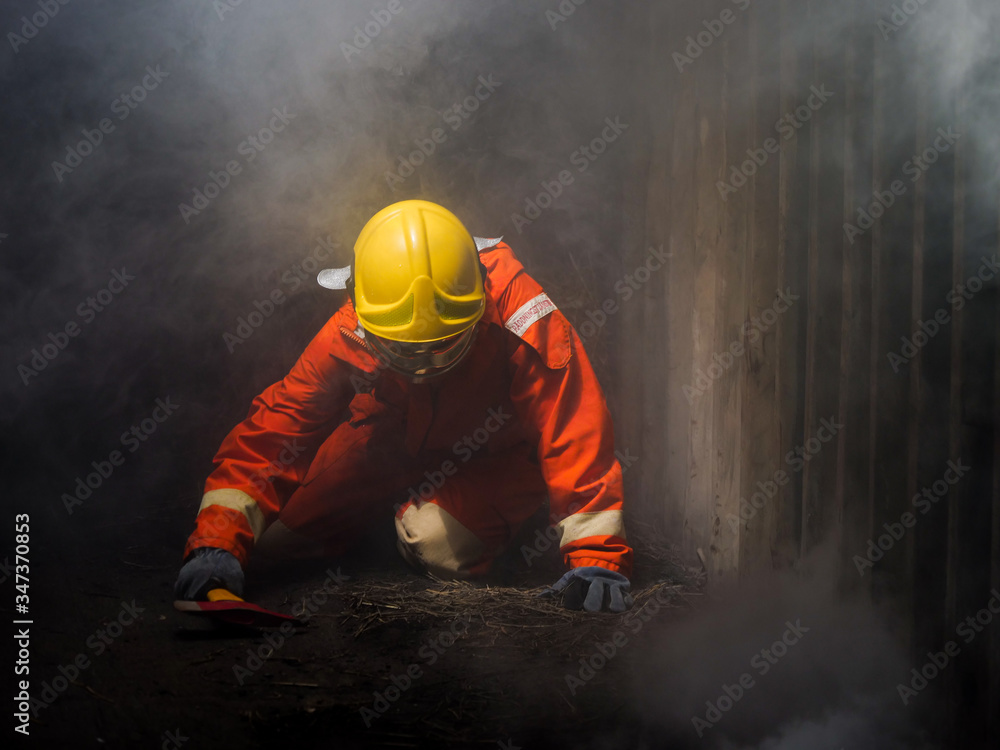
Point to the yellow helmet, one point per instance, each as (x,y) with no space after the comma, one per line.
(417,274)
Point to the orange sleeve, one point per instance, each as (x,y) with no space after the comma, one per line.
(555,390)
(266,456)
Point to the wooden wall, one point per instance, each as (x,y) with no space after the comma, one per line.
(825,360)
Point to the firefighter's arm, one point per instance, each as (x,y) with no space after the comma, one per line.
(265,457)
(555,390)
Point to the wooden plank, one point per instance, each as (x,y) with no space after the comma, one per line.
(905,554)
(701,506)
(923,604)
(916,399)
(811,510)
(790,328)
(730,261)
(953,570)
(994,658)
(877,337)
(761,432)
(820,504)
(681,298)
(976,433)
(953,560)
(854,449)
(892,576)
(638,338)
(652,296)
(933,362)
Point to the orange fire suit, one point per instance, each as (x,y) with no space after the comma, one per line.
(342,439)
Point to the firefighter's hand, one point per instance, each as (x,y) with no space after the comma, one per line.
(209,568)
(594,589)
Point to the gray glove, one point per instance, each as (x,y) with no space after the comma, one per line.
(593,588)
(209,568)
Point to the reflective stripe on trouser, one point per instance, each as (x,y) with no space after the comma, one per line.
(362,471)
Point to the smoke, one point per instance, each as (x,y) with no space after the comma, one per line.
(221,153)
(364,84)
(781,665)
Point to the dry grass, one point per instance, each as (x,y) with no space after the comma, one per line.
(507,610)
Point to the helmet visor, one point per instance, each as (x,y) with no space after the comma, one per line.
(426,359)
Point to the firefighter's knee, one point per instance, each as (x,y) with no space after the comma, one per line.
(431,539)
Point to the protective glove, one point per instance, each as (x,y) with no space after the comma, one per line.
(593,588)
(209,568)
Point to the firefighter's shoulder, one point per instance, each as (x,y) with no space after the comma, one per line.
(523,306)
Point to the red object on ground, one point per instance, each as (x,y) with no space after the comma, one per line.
(236,612)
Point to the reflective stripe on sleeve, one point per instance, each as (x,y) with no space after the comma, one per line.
(583,525)
(531,311)
(237,500)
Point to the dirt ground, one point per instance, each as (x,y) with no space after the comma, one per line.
(390,658)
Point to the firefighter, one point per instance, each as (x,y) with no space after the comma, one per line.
(447,386)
